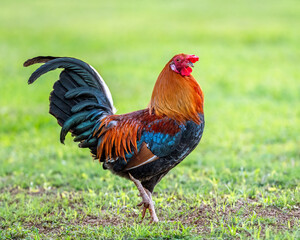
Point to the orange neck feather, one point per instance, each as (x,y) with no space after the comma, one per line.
(176,97)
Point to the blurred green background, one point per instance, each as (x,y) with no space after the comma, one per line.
(249,71)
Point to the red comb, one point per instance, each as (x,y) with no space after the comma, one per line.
(193,58)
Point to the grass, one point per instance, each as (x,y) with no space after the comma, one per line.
(243,179)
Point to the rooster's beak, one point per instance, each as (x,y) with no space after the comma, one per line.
(190,64)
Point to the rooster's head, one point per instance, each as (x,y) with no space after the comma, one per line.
(183,63)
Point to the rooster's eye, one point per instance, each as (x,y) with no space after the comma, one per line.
(178,60)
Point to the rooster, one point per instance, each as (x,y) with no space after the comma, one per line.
(142,146)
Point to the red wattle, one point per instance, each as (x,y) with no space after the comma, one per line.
(186,71)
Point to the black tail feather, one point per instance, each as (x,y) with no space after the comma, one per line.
(79,98)
(67,81)
(40,59)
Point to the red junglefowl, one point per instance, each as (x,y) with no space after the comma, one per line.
(142,146)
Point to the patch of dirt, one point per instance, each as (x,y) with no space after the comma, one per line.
(43,229)
(205,215)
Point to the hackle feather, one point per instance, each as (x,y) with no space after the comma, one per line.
(176,97)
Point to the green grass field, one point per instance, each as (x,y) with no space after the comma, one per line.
(243,179)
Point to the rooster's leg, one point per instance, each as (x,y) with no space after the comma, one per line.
(147,199)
